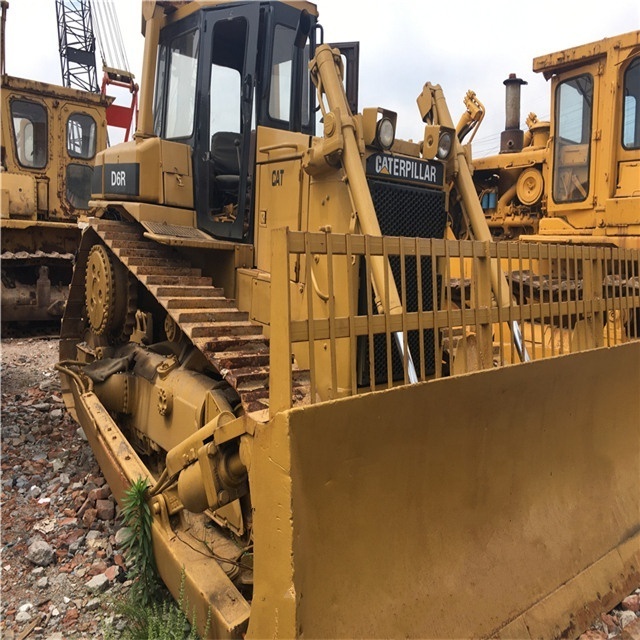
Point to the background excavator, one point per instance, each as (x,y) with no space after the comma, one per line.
(266,323)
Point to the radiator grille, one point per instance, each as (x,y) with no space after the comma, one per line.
(411,212)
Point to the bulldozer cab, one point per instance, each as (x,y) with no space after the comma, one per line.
(221,72)
(50,142)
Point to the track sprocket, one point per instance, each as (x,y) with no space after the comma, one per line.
(109,296)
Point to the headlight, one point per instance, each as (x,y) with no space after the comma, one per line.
(445,142)
(385,133)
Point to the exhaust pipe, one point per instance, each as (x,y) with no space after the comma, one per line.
(512,138)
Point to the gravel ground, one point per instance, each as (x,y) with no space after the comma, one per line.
(59,560)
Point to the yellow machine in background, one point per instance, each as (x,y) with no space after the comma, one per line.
(264,324)
(50,137)
(576,178)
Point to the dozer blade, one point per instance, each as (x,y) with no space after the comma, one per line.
(496,504)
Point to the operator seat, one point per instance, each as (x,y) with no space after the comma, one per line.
(225,159)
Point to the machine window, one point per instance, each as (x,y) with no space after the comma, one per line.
(281,73)
(81,136)
(30,133)
(225,94)
(631,107)
(78,185)
(225,116)
(227,65)
(161,74)
(574,105)
(181,57)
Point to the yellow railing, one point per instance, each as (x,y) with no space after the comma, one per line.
(564,298)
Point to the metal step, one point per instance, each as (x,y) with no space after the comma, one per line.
(232,344)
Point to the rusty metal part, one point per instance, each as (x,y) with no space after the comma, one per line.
(31,285)
(512,138)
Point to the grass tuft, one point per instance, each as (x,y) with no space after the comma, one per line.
(148,608)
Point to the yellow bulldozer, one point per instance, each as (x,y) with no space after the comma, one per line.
(576,178)
(50,137)
(344,417)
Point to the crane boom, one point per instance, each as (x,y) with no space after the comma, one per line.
(77,45)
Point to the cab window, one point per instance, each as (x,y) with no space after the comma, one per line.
(227,64)
(81,136)
(29,121)
(574,106)
(631,107)
(289,82)
(78,185)
(177,69)
(281,73)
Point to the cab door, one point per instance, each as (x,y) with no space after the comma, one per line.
(225,99)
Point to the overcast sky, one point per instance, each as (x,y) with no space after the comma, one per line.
(459,44)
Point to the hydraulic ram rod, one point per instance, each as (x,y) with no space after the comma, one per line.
(324,70)
(464,183)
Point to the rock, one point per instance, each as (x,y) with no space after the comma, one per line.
(57,464)
(93,604)
(626,617)
(94,540)
(80,434)
(40,553)
(42,583)
(56,413)
(98,584)
(71,616)
(113,573)
(105,509)
(48,525)
(89,517)
(99,493)
(122,535)
(631,603)
(35,492)
(23,616)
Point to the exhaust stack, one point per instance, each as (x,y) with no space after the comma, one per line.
(512,138)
